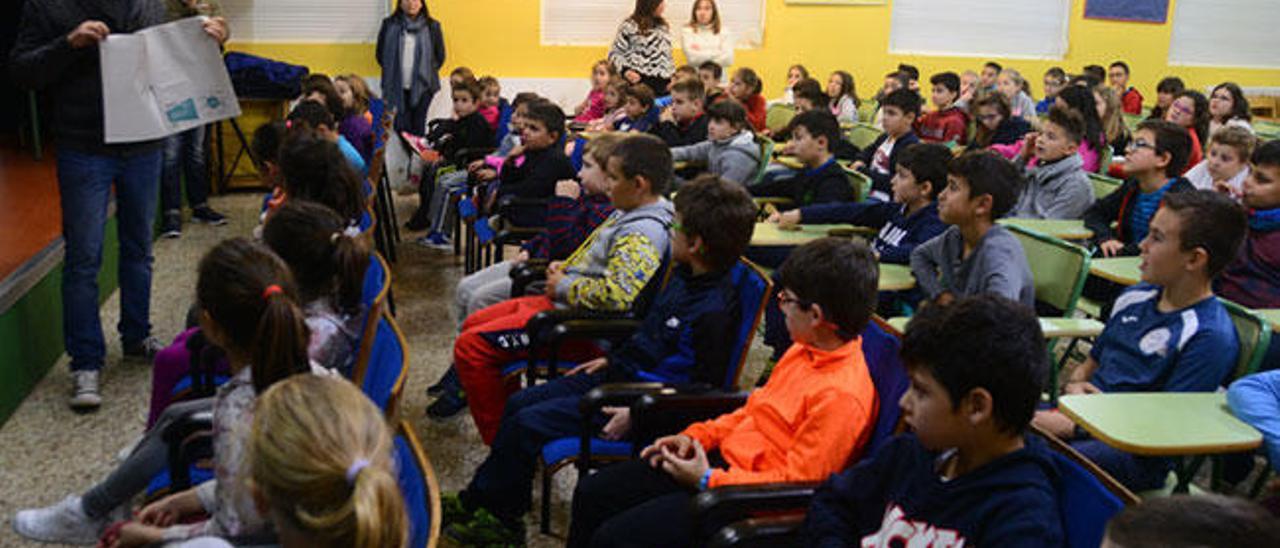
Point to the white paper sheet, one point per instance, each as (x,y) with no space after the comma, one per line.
(163,80)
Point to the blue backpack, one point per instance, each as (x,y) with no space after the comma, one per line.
(261,78)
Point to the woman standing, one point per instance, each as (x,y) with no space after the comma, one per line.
(411,52)
(642,49)
(703,39)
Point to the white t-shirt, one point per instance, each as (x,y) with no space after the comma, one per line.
(407,47)
(1200,178)
(880,162)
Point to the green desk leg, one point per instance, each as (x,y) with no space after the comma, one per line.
(37,149)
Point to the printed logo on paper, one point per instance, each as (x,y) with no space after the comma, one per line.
(182,112)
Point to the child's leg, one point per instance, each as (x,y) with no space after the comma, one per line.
(1135,472)
(1255,399)
(631,499)
(467,297)
(448,185)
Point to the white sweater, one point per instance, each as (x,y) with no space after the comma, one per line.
(701,45)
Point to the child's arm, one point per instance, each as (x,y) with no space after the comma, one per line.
(923,232)
(1203,362)
(833,190)
(735,165)
(870,214)
(1102,213)
(924,266)
(954,129)
(41,54)
(1072,202)
(1002,277)
(698,153)
(633,260)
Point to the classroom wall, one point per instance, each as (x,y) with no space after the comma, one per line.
(826,38)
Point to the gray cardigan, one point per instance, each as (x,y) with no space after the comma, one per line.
(996,266)
(1060,190)
(736,159)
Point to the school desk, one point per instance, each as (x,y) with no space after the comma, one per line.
(1070,230)
(1053,328)
(1121,270)
(771,235)
(1272,315)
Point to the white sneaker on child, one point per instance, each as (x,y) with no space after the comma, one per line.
(84,391)
(64,522)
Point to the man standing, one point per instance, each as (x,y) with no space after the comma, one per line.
(57,51)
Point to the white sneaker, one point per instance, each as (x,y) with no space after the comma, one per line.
(64,522)
(84,391)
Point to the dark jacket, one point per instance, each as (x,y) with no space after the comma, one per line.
(428,58)
(676,134)
(827,183)
(43,59)
(471,132)
(899,234)
(687,335)
(1010,131)
(643,124)
(1011,501)
(535,178)
(1116,208)
(568,224)
(880,182)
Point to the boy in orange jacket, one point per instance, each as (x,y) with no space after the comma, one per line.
(810,420)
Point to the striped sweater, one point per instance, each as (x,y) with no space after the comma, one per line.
(569,221)
(648,53)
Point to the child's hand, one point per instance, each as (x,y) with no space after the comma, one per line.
(589,367)
(1055,423)
(619,423)
(857,165)
(679,445)
(667,115)
(555,273)
(1028,146)
(486,174)
(787,220)
(133,534)
(1224,187)
(164,512)
(568,188)
(521,257)
(216,27)
(88,33)
(632,76)
(686,471)
(1111,248)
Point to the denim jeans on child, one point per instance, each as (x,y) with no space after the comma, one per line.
(85,181)
(184,156)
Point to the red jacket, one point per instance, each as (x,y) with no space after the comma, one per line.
(756,112)
(943,126)
(1132,101)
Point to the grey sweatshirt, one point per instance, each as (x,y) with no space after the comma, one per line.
(997,265)
(735,159)
(1060,190)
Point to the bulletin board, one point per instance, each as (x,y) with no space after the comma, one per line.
(1142,11)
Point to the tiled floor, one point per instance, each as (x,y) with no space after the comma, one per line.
(47,452)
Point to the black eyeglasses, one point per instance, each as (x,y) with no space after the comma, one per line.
(784,299)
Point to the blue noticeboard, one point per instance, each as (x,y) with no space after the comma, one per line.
(1145,11)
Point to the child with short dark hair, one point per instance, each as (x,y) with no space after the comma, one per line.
(1192,521)
(1253,278)
(990,75)
(967,474)
(1130,97)
(466,131)
(996,125)
(638,106)
(814,414)
(687,337)
(946,123)
(808,95)
(1166,334)
(1057,186)
(1166,90)
(1156,155)
(544,162)
(878,161)
(975,255)
(1226,166)
(814,134)
(1054,80)
(710,73)
(730,151)
(312,116)
(745,88)
(684,123)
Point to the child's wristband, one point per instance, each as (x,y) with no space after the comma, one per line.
(705,480)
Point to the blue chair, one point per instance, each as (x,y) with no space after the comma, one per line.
(1086,504)
(419,487)
(881,345)
(381,376)
(377,282)
(754,288)
(376,109)
(579,149)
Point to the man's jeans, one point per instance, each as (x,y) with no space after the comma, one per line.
(184,156)
(85,182)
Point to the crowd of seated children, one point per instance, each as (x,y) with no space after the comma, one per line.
(1168,88)
(640,113)
(1226,166)
(795,73)
(745,88)
(356,123)
(730,151)
(1014,87)
(686,337)
(1054,80)
(1166,334)
(1187,521)
(1228,107)
(615,96)
(1190,111)
(898,114)
(813,136)
(975,255)
(249,307)
(1080,100)
(813,416)
(1057,186)
(314,169)
(1156,155)
(1130,97)
(968,473)
(1113,123)
(684,123)
(607,272)
(593,107)
(842,97)
(995,124)
(946,123)
(710,73)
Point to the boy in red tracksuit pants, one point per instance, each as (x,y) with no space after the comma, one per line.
(608,272)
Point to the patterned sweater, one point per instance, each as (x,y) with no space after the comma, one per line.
(648,53)
(612,268)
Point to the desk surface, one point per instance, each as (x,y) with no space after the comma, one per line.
(1121,270)
(1162,423)
(895,277)
(1272,315)
(1061,229)
(1053,328)
(771,235)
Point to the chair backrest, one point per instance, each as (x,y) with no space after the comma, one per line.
(367,222)
(778,116)
(862,135)
(1087,496)
(861,183)
(754,289)
(881,345)
(1058,268)
(766,156)
(377,281)
(1254,333)
(867,111)
(1104,160)
(383,363)
(579,149)
(1103,185)
(419,486)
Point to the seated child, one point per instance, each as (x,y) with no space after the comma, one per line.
(1226,166)
(314,117)
(947,123)
(898,113)
(1057,186)
(808,421)
(711,73)
(842,97)
(967,473)
(1166,90)
(1166,334)
(893,81)
(1054,80)
(745,88)
(1130,97)
(730,151)
(686,337)
(1190,111)
(491,102)
(1013,87)
(356,124)
(1191,521)
(814,134)
(684,123)
(607,272)
(641,115)
(314,169)
(1253,278)
(615,97)
(996,124)
(468,130)
(593,107)
(975,255)
(1156,155)
(543,164)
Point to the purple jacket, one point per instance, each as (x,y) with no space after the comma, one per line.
(359,133)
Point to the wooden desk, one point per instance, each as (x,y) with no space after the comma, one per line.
(1121,270)
(771,235)
(1162,423)
(1053,328)
(1071,230)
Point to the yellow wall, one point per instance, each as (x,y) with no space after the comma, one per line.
(826,38)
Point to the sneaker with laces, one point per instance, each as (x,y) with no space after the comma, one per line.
(64,522)
(84,391)
(145,349)
(436,240)
(171,226)
(207,215)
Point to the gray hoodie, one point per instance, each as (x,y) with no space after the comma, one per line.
(1060,190)
(735,159)
(615,263)
(996,266)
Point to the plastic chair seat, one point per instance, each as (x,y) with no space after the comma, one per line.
(564,450)
(516,368)
(161,481)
